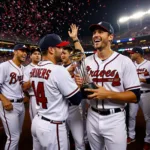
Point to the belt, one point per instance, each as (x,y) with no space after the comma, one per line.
(17,100)
(145,91)
(52,121)
(106,112)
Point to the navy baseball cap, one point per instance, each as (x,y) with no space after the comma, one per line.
(21,47)
(102,25)
(34,50)
(51,40)
(137,50)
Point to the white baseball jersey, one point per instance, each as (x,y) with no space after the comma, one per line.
(26,77)
(117,73)
(52,84)
(11,79)
(143,70)
(32,105)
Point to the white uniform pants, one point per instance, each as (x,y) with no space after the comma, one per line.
(144,103)
(75,123)
(12,122)
(106,131)
(48,136)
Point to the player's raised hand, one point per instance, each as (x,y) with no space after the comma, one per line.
(74,32)
(7,104)
(100,93)
(78,80)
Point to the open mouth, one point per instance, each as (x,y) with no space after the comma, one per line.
(97,40)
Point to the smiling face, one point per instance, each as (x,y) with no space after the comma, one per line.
(101,39)
(20,55)
(65,56)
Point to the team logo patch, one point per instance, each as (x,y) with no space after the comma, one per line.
(104,76)
(143,71)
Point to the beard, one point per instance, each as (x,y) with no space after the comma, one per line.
(102,45)
(58,59)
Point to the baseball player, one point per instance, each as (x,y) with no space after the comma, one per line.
(11,94)
(35,59)
(117,83)
(74,120)
(143,70)
(53,88)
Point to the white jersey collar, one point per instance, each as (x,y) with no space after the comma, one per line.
(43,62)
(15,64)
(114,54)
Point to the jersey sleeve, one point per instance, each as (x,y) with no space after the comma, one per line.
(65,83)
(130,77)
(26,76)
(2,73)
(148,69)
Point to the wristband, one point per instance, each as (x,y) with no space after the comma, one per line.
(75,41)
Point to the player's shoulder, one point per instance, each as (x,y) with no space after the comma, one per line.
(123,57)
(4,64)
(147,61)
(49,65)
(29,66)
(90,57)
(59,69)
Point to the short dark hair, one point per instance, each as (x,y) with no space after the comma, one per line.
(44,53)
(68,48)
(34,50)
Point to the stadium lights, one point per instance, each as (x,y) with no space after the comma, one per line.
(138,15)
(123,19)
(126,49)
(134,16)
(118,41)
(6,50)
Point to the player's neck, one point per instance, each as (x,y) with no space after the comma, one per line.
(34,63)
(16,62)
(67,63)
(105,53)
(49,58)
(139,60)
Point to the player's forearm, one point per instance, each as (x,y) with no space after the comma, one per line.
(2,97)
(26,86)
(127,96)
(77,44)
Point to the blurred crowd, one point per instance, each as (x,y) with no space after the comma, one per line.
(134,32)
(29,20)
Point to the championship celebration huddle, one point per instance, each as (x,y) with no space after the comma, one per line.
(62,95)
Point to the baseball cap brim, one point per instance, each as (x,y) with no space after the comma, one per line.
(130,52)
(63,44)
(25,49)
(96,26)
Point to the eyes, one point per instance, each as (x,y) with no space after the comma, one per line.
(98,31)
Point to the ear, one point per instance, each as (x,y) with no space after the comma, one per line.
(15,52)
(51,50)
(111,36)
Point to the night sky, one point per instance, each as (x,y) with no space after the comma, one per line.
(34,18)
